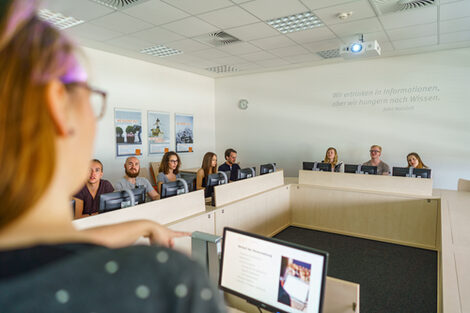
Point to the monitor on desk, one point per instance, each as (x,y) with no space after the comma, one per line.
(120,199)
(178,187)
(411,172)
(272,274)
(245,173)
(213,180)
(316,166)
(267,168)
(190,179)
(360,169)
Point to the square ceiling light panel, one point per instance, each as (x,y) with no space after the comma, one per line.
(295,22)
(160,51)
(58,19)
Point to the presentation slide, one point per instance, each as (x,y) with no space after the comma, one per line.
(283,277)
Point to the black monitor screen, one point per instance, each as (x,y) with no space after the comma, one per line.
(402,171)
(411,172)
(267,168)
(120,199)
(316,166)
(217,179)
(360,169)
(246,173)
(172,189)
(273,274)
(422,172)
(190,179)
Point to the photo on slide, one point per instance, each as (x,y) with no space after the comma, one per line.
(294,283)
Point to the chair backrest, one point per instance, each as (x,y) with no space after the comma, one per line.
(154,166)
(144,172)
(464,185)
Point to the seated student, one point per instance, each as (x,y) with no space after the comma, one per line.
(375,153)
(131,179)
(46,264)
(414,160)
(331,156)
(209,166)
(94,187)
(230,165)
(169,169)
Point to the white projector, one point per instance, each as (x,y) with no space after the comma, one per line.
(360,49)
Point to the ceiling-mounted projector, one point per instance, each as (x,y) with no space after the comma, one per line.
(360,49)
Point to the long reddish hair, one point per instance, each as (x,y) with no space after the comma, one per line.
(207,164)
(165,163)
(32,53)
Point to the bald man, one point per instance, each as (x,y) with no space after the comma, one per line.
(131,179)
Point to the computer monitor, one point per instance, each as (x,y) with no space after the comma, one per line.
(121,199)
(213,180)
(178,187)
(316,166)
(245,173)
(267,168)
(190,179)
(360,169)
(272,274)
(411,172)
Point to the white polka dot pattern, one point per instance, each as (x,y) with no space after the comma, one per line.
(111,267)
(162,257)
(142,292)
(62,296)
(206,294)
(181,291)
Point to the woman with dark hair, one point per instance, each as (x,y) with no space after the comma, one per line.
(209,166)
(414,160)
(47,126)
(169,169)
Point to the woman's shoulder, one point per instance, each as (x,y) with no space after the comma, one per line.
(161,177)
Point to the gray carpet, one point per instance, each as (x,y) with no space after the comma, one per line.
(392,278)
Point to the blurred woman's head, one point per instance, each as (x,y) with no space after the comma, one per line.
(209,163)
(414,160)
(46,122)
(331,156)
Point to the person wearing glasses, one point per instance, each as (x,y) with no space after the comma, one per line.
(375,153)
(132,180)
(168,170)
(47,127)
(89,195)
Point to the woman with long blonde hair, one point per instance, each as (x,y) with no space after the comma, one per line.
(331,157)
(208,167)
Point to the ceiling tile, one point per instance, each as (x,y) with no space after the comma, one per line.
(253,31)
(229,17)
(259,56)
(210,54)
(190,27)
(188,45)
(369,25)
(455,37)
(454,10)
(409,18)
(269,9)
(83,10)
(424,30)
(239,48)
(241,1)
(361,9)
(323,45)
(90,31)
(415,42)
(155,12)
(289,51)
(319,4)
(386,46)
(273,42)
(450,26)
(198,6)
(273,63)
(230,60)
(157,35)
(248,66)
(310,35)
(303,58)
(129,43)
(121,22)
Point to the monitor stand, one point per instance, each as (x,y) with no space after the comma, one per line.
(261,307)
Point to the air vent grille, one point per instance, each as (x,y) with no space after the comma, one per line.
(393,6)
(329,54)
(119,4)
(222,69)
(218,39)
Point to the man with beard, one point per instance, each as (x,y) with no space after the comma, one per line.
(131,179)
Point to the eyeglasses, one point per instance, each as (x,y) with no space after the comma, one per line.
(374,151)
(97,98)
(173,161)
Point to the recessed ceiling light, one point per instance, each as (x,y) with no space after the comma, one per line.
(222,69)
(329,54)
(295,23)
(119,4)
(58,19)
(160,51)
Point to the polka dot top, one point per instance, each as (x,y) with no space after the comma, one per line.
(94,279)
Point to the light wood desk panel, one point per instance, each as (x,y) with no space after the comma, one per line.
(378,216)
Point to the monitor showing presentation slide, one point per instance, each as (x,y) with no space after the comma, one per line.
(275,275)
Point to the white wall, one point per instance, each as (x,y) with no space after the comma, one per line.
(293,115)
(134,84)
